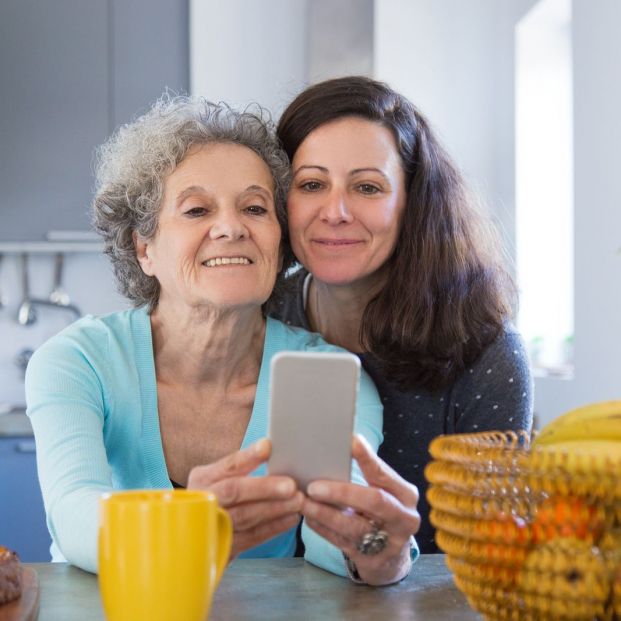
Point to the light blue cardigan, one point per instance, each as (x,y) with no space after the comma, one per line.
(92,398)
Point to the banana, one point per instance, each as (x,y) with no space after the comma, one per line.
(593,467)
(596,421)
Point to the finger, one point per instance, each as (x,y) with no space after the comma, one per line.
(236,464)
(251,515)
(378,473)
(245,489)
(374,503)
(247,539)
(350,525)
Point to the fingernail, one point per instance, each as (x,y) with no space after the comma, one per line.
(285,488)
(317,490)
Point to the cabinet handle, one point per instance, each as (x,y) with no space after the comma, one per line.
(26,447)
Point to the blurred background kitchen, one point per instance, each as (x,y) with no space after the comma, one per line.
(525,93)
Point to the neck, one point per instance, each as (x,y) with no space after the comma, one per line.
(207,345)
(335,311)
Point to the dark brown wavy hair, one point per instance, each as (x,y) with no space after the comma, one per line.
(447,295)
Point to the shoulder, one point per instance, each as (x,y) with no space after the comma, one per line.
(506,353)
(89,336)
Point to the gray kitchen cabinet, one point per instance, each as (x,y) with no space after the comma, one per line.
(70,72)
(22,516)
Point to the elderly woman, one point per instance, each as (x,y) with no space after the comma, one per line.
(173,392)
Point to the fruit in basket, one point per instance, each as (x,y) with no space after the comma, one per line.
(610,547)
(594,421)
(10,576)
(592,466)
(568,516)
(564,578)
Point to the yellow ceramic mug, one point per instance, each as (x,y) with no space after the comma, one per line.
(161,554)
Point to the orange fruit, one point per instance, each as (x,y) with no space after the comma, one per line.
(568,516)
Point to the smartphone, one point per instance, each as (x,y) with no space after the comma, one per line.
(311,415)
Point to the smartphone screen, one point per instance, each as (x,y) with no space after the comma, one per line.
(312,407)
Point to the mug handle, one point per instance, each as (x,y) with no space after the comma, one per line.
(225,539)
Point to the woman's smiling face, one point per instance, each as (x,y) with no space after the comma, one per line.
(218,236)
(346,200)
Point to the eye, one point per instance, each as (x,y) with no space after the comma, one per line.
(256,210)
(195,212)
(368,188)
(311,186)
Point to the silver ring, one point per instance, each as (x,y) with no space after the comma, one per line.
(373,542)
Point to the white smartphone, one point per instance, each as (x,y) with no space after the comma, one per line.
(311,420)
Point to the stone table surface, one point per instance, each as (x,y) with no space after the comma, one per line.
(279,589)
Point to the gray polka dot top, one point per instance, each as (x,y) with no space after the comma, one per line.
(496,393)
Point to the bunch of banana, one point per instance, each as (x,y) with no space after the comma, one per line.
(585,444)
(597,421)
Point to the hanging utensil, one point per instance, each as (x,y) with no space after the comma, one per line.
(26,314)
(58,295)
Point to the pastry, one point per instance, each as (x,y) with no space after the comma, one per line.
(10,576)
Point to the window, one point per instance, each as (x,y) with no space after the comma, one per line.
(544,185)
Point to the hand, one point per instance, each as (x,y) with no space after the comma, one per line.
(260,507)
(341,513)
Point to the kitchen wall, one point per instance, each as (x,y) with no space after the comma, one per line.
(275,47)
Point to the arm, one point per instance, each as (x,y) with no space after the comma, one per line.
(497,392)
(66,407)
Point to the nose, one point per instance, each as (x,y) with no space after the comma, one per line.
(228,224)
(335,210)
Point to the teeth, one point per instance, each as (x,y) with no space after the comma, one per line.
(227,261)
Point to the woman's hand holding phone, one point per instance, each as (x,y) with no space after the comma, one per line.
(260,507)
(343,513)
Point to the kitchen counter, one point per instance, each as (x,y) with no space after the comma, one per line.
(15,424)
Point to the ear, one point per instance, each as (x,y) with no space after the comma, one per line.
(142,253)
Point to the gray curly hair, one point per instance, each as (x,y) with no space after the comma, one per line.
(134,162)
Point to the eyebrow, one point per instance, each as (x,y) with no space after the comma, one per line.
(314,166)
(370,169)
(193,189)
(199,189)
(258,188)
(356,171)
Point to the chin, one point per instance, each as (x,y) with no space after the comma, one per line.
(335,274)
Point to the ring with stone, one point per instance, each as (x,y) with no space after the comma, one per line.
(373,542)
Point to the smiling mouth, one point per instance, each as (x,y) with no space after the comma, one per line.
(218,261)
(337,242)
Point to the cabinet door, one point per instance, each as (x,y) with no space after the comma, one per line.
(71,71)
(54,109)
(22,516)
(151,52)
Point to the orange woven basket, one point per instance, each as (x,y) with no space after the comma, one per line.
(528,534)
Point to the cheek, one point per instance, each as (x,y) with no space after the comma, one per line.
(297,219)
(387,219)
(271,244)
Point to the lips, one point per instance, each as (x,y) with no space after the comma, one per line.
(219,261)
(336,242)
